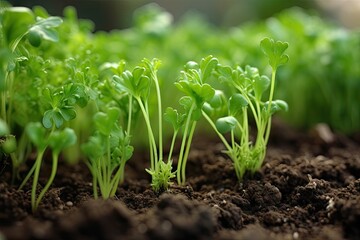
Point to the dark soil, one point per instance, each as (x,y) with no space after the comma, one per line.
(308,188)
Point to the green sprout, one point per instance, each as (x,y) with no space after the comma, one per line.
(57,140)
(107,150)
(137,85)
(192,82)
(245,103)
(18,24)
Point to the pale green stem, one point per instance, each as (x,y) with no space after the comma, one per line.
(36,179)
(183,142)
(187,150)
(158,93)
(130,116)
(152,142)
(55,157)
(272,86)
(172,144)
(222,138)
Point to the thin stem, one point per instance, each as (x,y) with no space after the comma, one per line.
(222,138)
(55,157)
(152,142)
(272,86)
(172,144)
(187,150)
(130,116)
(36,179)
(183,142)
(158,94)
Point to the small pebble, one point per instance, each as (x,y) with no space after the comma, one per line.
(69,204)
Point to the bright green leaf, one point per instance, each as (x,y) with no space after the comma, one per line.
(226,124)
(275,52)
(236,103)
(37,135)
(61,139)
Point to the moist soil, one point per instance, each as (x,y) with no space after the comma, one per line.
(308,188)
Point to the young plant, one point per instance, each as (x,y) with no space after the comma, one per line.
(192,82)
(57,140)
(108,151)
(248,88)
(18,24)
(137,85)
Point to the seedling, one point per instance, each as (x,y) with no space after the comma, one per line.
(57,140)
(247,88)
(108,151)
(192,82)
(137,85)
(18,24)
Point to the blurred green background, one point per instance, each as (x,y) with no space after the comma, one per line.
(117,14)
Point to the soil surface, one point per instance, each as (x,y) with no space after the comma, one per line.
(308,188)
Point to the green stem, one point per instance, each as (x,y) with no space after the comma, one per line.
(130,116)
(158,94)
(187,150)
(183,142)
(36,179)
(152,142)
(172,144)
(222,138)
(55,157)
(272,87)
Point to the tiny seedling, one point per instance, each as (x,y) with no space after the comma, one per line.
(247,90)
(137,85)
(57,140)
(108,151)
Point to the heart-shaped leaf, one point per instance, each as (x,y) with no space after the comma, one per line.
(226,124)
(275,52)
(59,140)
(104,122)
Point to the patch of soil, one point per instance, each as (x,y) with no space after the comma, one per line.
(308,188)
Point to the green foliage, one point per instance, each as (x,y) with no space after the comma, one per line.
(247,87)
(108,150)
(102,90)
(57,140)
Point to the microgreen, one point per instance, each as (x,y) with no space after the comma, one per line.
(137,84)
(192,82)
(107,150)
(42,139)
(16,25)
(248,87)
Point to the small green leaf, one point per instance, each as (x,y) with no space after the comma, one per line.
(52,116)
(207,65)
(59,140)
(16,22)
(105,122)
(37,135)
(261,84)
(191,65)
(68,113)
(34,38)
(283,106)
(4,129)
(276,106)
(93,148)
(275,52)
(43,29)
(171,115)
(226,124)
(218,100)
(236,103)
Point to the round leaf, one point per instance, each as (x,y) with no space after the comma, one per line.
(226,124)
